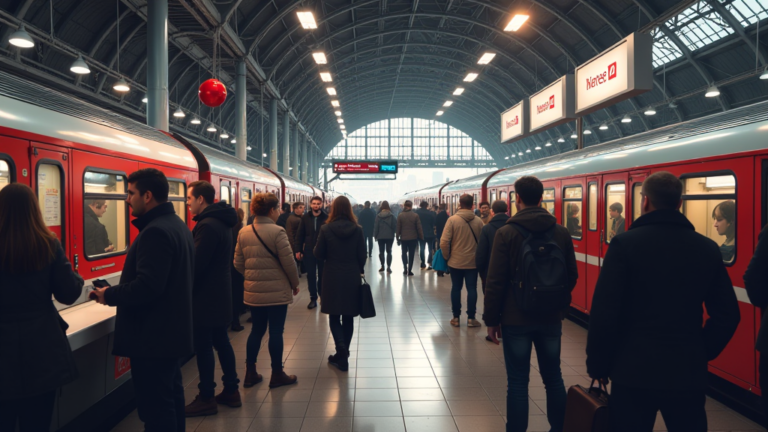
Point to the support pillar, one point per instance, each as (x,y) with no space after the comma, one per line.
(157,64)
(286,144)
(241,135)
(580,134)
(304,148)
(273,134)
(312,172)
(295,153)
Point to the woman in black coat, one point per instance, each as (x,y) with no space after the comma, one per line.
(342,246)
(35,356)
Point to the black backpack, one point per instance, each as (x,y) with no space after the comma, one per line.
(541,278)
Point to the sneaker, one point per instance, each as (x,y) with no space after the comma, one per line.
(423,266)
(251,376)
(430,268)
(455,322)
(201,407)
(312,304)
(473,323)
(237,327)
(405,272)
(230,399)
(410,273)
(280,379)
(381,269)
(389,270)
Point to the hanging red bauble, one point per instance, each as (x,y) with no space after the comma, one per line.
(212,93)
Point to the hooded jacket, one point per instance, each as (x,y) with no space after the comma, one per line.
(427,222)
(367,218)
(409,226)
(309,229)
(460,239)
(342,247)
(483,255)
(212,292)
(385,226)
(500,305)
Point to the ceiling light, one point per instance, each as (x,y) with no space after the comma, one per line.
(343,127)
(516,22)
(713,91)
(179,113)
(511,155)
(448,103)
(626,119)
(439,113)
(506,158)
(335,103)
(121,85)
(549,144)
(538,147)
(263,155)
(145,99)
(470,77)
(603,127)
(486,58)
(20,38)
(326,77)
(319,57)
(587,132)
(338,113)
(79,66)
(224,135)
(520,154)
(561,140)
(307,20)
(234,141)
(249,148)
(211,128)
(574,136)
(528,150)
(650,111)
(331,91)
(195,121)
(458,91)
(764,75)
(341,120)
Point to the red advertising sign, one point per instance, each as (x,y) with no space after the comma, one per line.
(122,366)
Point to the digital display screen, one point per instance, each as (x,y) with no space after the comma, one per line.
(364,167)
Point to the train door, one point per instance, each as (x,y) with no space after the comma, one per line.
(51,184)
(593,235)
(550,198)
(631,213)
(610,212)
(14,161)
(572,213)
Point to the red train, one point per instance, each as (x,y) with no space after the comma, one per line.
(720,158)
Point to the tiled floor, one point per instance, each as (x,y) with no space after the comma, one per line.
(409,371)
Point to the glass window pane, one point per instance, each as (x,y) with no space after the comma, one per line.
(592,207)
(5,174)
(176,190)
(181,209)
(224,193)
(572,211)
(637,201)
(548,201)
(615,197)
(512,206)
(104,229)
(101,183)
(714,218)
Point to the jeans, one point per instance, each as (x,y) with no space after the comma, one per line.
(423,244)
(342,331)
(369,243)
(408,253)
(205,340)
(33,414)
(159,393)
(274,316)
(517,344)
(314,269)
(386,245)
(458,278)
(634,409)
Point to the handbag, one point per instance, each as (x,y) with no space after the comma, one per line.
(367,308)
(587,409)
(438,262)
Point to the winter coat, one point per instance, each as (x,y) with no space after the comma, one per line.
(268,282)
(95,234)
(645,328)
(385,226)
(35,356)
(154,297)
(342,246)
(409,226)
(460,239)
(483,255)
(291,229)
(440,220)
(212,292)
(237,278)
(756,283)
(427,219)
(500,306)
(366,219)
(281,220)
(309,230)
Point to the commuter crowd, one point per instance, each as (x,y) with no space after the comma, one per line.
(180,292)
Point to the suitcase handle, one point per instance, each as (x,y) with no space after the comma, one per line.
(601,388)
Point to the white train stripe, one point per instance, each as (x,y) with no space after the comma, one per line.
(581,257)
(741,295)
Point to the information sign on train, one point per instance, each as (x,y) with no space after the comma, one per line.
(365,167)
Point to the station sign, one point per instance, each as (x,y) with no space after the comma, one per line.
(553,105)
(514,122)
(623,71)
(365,167)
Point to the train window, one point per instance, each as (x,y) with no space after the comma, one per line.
(178,197)
(548,201)
(224,193)
(572,200)
(51,197)
(512,206)
(105,216)
(493,196)
(637,201)
(592,202)
(245,202)
(475,200)
(710,204)
(615,197)
(5,174)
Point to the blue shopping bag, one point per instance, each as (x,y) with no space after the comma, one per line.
(438,262)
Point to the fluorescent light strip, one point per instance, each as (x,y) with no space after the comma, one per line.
(516,22)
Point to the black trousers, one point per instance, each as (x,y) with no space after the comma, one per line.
(238,290)
(386,246)
(33,414)
(634,410)
(159,393)
(206,339)
(314,269)
(369,243)
(342,329)
(423,245)
(763,368)
(409,253)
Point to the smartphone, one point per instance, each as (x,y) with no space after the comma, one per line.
(98,283)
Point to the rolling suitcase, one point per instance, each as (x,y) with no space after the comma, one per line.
(587,409)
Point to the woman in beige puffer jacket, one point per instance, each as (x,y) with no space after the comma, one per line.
(271,281)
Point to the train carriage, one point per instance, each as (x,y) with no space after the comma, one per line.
(477,186)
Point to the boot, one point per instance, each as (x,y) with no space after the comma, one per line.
(251,376)
(231,399)
(236,327)
(340,359)
(280,379)
(201,407)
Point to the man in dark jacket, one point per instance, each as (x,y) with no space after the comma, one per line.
(153,326)
(286,212)
(292,228)
(428,228)
(408,232)
(645,330)
(756,283)
(212,298)
(306,238)
(521,331)
(440,220)
(95,234)
(367,218)
(498,217)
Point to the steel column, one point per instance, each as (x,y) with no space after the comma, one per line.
(295,153)
(286,144)
(157,64)
(304,148)
(241,135)
(273,134)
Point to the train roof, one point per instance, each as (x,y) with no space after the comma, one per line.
(735,131)
(292,183)
(33,108)
(474,182)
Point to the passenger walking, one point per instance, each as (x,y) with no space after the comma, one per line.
(440,220)
(35,356)
(285,212)
(427,219)
(645,330)
(484,246)
(409,232)
(292,228)
(263,255)
(459,244)
(212,298)
(367,219)
(384,231)
(342,247)
(153,326)
(524,326)
(237,279)
(485,212)
(306,239)
(756,283)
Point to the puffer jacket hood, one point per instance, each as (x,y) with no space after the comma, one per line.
(534,219)
(384,214)
(342,228)
(221,211)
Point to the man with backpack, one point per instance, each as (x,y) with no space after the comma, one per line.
(528,291)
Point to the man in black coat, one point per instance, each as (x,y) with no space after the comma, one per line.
(212,298)
(498,217)
(95,233)
(153,326)
(756,283)
(645,330)
(286,211)
(428,228)
(306,238)
(367,218)
(440,220)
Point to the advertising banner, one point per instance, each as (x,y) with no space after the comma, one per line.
(364,167)
(514,122)
(552,106)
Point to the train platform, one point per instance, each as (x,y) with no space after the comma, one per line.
(410,370)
